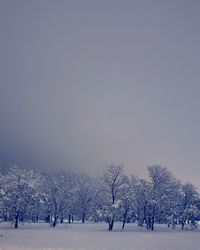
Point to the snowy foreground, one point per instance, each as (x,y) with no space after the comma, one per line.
(95,237)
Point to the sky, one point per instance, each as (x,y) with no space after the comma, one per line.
(86,83)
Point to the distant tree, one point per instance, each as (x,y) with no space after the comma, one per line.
(189,211)
(19,190)
(128,196)
(3,208)
(85,195)
(27,195)
(58,189)
(36,206)
(142,199)
(113,180)
(163,188)
(97,205)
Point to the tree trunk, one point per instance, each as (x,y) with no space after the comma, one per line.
(61,220)
(48,218)
(152,224)
(69,218)
(153,219)
(145,215)
(108,221)
(83,218)
(111,223)
(5,217)
(16,220)
(55,220)
(148,223)
(124,218)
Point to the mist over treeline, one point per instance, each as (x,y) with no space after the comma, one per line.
(67,196)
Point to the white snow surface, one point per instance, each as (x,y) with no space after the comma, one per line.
(40,236)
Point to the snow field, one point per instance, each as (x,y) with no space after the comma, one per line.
(95,237)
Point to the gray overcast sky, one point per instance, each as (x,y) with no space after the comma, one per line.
(86,83)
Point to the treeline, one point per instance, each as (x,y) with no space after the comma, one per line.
(57,197)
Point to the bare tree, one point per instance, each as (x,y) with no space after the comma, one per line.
(113,182)
(163,189)
(58,189)
(19,190)
(142,199)
(189,211)
(128,195)
(85,195)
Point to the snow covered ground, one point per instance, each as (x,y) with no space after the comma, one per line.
(95,237)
